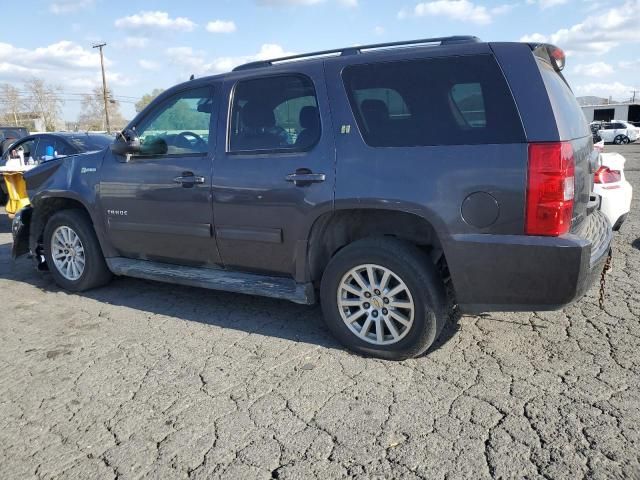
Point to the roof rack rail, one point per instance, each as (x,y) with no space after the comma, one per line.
(359,49)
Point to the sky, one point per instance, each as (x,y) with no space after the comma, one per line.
(158,44)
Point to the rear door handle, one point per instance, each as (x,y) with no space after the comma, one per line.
(304,176)
(188,179)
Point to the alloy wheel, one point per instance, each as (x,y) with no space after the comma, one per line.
(375,304)
(67,253)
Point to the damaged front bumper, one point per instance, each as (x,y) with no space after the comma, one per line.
(20,232)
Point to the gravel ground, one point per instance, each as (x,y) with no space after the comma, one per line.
(141,379)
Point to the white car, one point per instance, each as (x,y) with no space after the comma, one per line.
(619,132)
(614,190)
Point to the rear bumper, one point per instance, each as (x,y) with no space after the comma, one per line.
(525,273)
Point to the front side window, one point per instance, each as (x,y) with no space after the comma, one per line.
(460,100)
(179,126)
(274,114)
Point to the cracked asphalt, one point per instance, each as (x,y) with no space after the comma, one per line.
(146,380)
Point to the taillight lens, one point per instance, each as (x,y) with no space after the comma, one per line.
(558,56)
(606,175)
(550,189)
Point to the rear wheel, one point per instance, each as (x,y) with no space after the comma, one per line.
(383,297)
(73,253)
(625,140)
(618,140)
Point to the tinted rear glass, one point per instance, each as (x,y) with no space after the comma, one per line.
(460,100)
(569,117)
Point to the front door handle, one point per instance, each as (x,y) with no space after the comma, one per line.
(188,179)
(304,176)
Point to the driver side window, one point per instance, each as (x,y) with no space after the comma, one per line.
(179,126)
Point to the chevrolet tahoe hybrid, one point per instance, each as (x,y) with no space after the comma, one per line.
(386,181)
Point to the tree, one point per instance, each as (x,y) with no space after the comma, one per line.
(92,115)
(45,100)
(147,98)
(11,104)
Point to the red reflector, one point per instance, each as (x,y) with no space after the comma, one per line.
(550,189)
(606,175)
(558,56)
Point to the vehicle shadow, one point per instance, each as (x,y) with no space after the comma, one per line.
(252,314)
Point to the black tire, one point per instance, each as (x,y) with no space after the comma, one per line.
(417,272)
(95,272)
(618,140)
(625,140)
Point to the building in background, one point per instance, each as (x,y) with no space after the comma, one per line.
(629,111)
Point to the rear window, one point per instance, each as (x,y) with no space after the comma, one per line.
(443,101)
(569,117)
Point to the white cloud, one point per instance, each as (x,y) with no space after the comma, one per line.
(64,63)
(598,33)
(379,30)
(196,62)
(615,90)
(534,38)
(221,26)
(148,64)
(461,10)
(596,69)
(155,20)
(68,6)
(63,54)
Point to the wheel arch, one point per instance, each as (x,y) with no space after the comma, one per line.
(334,230)
(45,206)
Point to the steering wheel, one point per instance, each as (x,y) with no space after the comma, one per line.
(199,140)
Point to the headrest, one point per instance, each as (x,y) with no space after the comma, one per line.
(256,115)
(309,117)
(374,108)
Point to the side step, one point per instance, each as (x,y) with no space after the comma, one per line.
(215,279)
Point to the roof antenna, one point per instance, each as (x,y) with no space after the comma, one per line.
(192,77)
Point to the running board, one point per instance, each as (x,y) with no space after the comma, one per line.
(215,279)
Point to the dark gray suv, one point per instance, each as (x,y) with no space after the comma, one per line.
(380,179)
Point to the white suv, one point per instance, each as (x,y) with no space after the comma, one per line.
(619,132)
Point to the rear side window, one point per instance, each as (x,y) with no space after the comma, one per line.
(570,120)
(443,101)
(272,114)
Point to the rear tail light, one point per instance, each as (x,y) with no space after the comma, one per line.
(550,189)
(557,56)
(606,175)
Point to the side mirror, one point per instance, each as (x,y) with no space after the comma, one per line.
(126,143)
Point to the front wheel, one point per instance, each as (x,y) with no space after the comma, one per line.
(73,253)
(383,297)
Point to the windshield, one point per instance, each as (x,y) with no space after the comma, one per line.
(88,143)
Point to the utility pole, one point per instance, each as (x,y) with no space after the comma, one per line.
(633,100)
(104,85)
